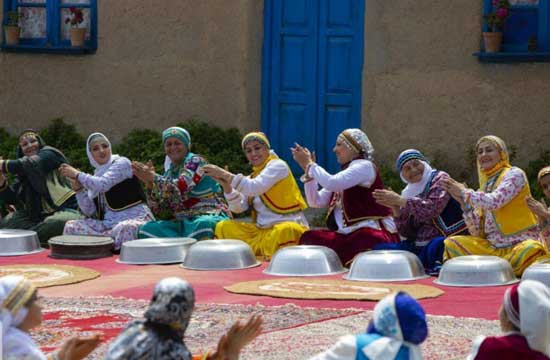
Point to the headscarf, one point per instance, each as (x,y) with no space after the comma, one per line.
(29,133)
(257,136)
(504,162)
(401,322)
(99,169)
(542,173)
(414,189)
(160,336)
(15,293)
(357,141)
(179,133)
(527,306)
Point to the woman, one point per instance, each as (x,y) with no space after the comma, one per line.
(44,199)
(424,212)
(160,336)
(192,199)
(540,209)
(525,321)
(497,215)
(112,195)
(397,329)
(20,312)
(272,194)
(355,221)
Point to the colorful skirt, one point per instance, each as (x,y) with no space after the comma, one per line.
(264,242)
(431,254)
(198,227)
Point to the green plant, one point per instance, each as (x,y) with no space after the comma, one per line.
(13,18)
(497,18)
(391,178)
(143,145)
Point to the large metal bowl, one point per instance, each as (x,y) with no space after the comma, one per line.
(223,254)
(386,265)
(305,260)
(155,251)
(475,270)
(539,271)
(18,242)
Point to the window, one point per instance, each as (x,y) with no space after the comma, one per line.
(43,27)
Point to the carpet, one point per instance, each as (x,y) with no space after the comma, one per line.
(300,288)
(50,275)
(290,332)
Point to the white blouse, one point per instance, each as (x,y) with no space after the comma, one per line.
(359,172)
(244,187)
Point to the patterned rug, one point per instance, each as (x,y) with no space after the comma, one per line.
(300,288)
(290,332)
(50,275)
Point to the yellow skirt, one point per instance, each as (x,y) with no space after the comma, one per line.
(264,242)
(519,256)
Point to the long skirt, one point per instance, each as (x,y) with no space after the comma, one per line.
(431,254)
(198,227)
(348,245)
(264,242)
(520,256)
(49,227)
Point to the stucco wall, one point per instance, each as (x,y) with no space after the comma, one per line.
(158,62)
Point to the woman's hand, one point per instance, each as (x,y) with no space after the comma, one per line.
(538,208)
(75,184)
(454,188)
(68,171)
(232,343)
(78,348)
(144,172)
(390,199)
(222,176)
(302,156)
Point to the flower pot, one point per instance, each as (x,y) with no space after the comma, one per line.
(77,37)
(12,34)
(492,40)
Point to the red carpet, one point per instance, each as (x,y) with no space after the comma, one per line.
(137,282)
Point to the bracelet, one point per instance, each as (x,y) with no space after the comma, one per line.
(306,172)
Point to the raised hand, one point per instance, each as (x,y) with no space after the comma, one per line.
(78,348)
(454,188)
(68,171)
(144,172)
(302,155)
(538,208)
(232,343)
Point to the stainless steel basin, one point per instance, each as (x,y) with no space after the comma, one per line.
(386,265)
(222,254)
(475,270)
(155,251)
(304,260)
(18,242)
(538,271)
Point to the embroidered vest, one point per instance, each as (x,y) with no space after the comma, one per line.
(120,197)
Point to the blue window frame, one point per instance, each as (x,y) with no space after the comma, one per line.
(526,34)
(43,27)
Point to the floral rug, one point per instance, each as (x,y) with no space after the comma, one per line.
(290,332)
(50,275)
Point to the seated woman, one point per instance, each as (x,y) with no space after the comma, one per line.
(192,199)
(20,312)
(497,215)
(425,213)
(111,198)
(540,208)
(525,321)
(397,329)
(355,221)
(270,191)
(161,334)
(44,200)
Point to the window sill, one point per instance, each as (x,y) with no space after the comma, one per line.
(21,48)
(509,57)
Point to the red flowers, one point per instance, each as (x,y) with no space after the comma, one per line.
(497,18)
(76,17)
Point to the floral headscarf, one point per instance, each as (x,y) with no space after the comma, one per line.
(357,141)
(29,133)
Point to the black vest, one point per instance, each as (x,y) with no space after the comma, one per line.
(120,197)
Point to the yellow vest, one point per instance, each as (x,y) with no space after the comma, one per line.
(284,197)
(514,217)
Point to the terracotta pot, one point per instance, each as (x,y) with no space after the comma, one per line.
(12,34)
(492,40)
(77,37)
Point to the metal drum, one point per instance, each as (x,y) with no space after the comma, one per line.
(155,251)
(305,260)
(18,242)
(386,265)
(475,270)
(80,247)
(539,271)
(220,255)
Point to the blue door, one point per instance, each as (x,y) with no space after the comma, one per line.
(311,76)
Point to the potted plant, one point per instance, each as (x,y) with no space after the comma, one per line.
(78,33)
(12,29)
(496,20)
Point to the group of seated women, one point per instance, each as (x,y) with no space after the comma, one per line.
(435,216)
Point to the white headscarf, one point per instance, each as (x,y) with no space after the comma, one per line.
(357,141)
(415,189)
(99,169)
(15,292)
(534,304)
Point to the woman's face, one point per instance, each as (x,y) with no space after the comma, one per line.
(545,185)
(101,151)
(29,145)
(256,152)
(412,171)
(175,149)
(487,155)
(343,153)
(34,316)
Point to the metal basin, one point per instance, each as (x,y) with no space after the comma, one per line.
(386,265)
(18,242)
(475,270)
(220,254)
(539,271)
(155,251)
(305,260)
